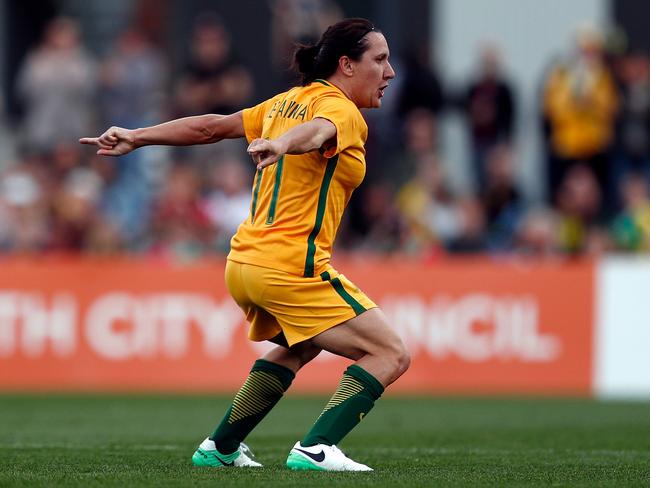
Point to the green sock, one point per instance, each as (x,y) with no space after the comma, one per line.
(263,388)
(352,400)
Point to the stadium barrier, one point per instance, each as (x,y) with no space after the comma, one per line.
(473,326)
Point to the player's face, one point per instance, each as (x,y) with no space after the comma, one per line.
(372,72)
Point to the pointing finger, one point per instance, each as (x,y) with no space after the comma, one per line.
(267,161)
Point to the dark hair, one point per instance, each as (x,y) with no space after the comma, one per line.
(345,38)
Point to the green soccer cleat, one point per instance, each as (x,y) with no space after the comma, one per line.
(207,455)
(322,457)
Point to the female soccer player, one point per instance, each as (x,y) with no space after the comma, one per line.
(308,145)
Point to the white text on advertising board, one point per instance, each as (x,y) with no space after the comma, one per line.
(474,327)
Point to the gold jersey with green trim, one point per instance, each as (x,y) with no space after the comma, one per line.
(297,203)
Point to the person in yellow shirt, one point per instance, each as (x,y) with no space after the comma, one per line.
(580,103)
(308,146)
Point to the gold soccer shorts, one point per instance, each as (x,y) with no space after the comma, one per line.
(301,308)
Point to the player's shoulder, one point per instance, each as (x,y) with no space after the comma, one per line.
(327,95)
(314,90)
(321,88)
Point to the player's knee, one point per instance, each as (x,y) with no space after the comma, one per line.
(399,360)
(402,359)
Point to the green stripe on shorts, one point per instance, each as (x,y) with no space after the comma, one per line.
(340,289)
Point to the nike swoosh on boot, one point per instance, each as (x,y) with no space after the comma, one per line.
(318,457)
(231,463)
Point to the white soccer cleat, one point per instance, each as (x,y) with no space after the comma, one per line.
(322,458)
(207,455)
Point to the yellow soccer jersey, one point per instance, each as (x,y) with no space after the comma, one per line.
(297,203)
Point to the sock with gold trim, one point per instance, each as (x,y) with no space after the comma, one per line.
(351,402)
(265,385)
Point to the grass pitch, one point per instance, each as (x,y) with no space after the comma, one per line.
(135,441)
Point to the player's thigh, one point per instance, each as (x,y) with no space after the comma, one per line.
(306,306)
(368,333)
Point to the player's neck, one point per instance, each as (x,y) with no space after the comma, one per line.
(342,83)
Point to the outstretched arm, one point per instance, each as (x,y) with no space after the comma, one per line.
(201,129)
(299,140)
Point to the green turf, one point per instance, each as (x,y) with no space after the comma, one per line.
(138,441)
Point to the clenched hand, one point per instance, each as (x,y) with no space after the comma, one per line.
(265,152)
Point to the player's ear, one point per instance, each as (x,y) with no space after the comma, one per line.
(346,66)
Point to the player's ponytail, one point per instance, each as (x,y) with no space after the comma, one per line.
(345,38)
(305,61)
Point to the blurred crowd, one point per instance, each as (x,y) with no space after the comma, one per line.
(184,203)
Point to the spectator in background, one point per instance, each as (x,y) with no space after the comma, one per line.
(297,22)
(632,149)
(537,234)
(180,227)
(376,225)
(580,106)
(420,87)
(214,81)
(631,227)
(424,201)
(419,140)
(417,100)
(134,80)
(578,206)
(74,190)
(374,220)
(432,216)
(501,200)
(228,200)
(472,237)
(23,211)
(56,85)
(61,160)
(489,108)
(75,210)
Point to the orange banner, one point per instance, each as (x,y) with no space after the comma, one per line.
(473,326)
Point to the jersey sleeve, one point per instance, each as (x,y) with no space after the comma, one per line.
(351,129)
(254,120)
